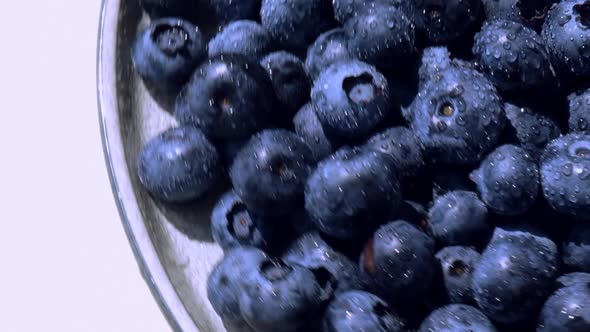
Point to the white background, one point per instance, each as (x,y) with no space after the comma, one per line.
(65,264)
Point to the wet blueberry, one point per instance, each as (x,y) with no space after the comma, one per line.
(228,97)
(352,191)
(514,275)
(399,260)
(270,172)
(457,265)
(508,180)
(361,311)
(165,55)
(351,98)
(565,173)
(179,165)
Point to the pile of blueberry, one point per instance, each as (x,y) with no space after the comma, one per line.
(396,165)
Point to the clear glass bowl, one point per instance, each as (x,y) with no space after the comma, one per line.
(172,244)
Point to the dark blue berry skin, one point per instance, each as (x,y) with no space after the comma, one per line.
(351,98)
(165,56)
(457,265)
(347,9)
(434,61)
(515,274)
(513,57)
(233,225)
(579,112)
(224,285)
(352,191)
(270,172)
(567,310)
(399,260)
(457,114)
(222,12)
(228,97)
(179,165)
(281,294)
(296,24)
(329,48)
(573,278)
(289,79)
(508,180)
(533,130)
(576,248)
(167,8)
(311,251)
(383,37)
(457,318)
(458,218)
(566,34)
(565,175)
(445,21)
(530,13)
(361,311)
(400,144)
(308,126)
(247,38)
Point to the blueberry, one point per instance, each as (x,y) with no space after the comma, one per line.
(567,310)
(329,48)
(399,260)
(383,37)
(361,311)
(513,57)
(457,114)
(400,144)
(533,130)
(228,97)
(312,252)
(573,278)
(269,173)
(167,8)
(456,318)
(165,55)
(508,180)
(579,112)
(565,170)
(178,165)
(233,225)
(514,275)
(224,285)
(445,21)
(459,218)
(289,79)
(222,12)
(566,33)
(351,191)
(296,24)
(434,61)
(576,248)
(281,294)
(310,129)
(347,9)
(247,38)
(531,13)
(457,265)
(351,98)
